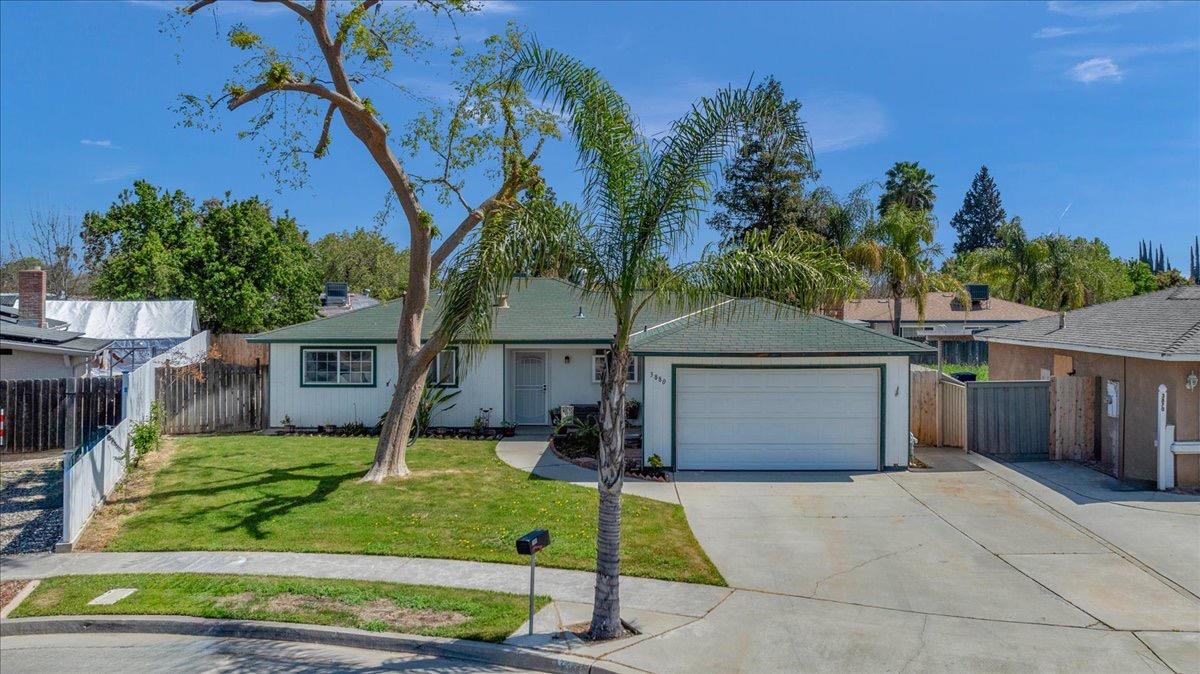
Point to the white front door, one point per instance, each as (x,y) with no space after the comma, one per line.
(777,419)
(529,387)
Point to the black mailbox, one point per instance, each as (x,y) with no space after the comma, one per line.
(533,541)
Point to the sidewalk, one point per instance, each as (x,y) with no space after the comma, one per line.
(560,584)
(533,455)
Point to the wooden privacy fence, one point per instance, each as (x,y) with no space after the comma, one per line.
(212,397)
(1074,409)
(924,408)
(45,414)
(1009,419)
(232,348)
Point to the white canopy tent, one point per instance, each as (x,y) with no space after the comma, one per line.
(133,319)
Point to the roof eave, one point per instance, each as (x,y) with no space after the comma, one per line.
(1108,351)
(780,354)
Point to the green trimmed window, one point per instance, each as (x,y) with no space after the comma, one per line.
(443,371)
(337,367)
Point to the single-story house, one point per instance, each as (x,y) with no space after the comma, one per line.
(743,384)
(33,346)
(1133,345)
(944,312)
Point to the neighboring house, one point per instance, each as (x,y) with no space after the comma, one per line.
(944,311)
(35,347)
(745,384)
(138,329)
(1133,345)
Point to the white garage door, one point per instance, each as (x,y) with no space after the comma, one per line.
(777,419)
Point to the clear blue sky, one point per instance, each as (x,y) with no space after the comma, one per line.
(1088,115)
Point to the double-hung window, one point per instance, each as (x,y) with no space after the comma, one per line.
(598,365)
(443,371)
(344,366)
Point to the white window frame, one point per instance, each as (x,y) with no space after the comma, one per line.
(343,362)
(598,361)
(436,376)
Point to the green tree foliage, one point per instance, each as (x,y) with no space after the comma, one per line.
(1141,278)
(905,240)
(908,185)
(247,270)
(1051,271)
(1194,258)
(978,220)
(765,184)
(365,259)
(13,264)
(1170,278)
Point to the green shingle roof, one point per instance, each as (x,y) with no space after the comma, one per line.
(540,310)
(545,310)
(761,327)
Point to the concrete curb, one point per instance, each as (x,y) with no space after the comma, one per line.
(463,649)
(19,597)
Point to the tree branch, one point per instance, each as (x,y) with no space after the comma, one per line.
(474,217)
(334,98)
(323,141)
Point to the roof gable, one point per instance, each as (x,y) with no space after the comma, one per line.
(762,327)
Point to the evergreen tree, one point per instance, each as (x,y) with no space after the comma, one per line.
(764,186)
(1194,253)
(978,221)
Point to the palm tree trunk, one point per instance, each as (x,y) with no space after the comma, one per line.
(897,304)
(606,610)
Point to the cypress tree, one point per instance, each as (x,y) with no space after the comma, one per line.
(978,221)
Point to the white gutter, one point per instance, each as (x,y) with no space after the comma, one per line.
(1129,353)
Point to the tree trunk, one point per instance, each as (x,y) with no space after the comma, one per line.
(606,611)
(390,459)
(897,304)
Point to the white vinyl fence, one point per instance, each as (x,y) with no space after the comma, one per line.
(92,472)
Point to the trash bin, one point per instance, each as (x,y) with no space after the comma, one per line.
(964,376)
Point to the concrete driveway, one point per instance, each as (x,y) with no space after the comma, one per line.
(971,566)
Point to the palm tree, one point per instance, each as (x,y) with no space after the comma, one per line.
(640,206)
(905,240)
(910,186)
(1016,266)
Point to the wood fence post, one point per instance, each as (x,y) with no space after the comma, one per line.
(70,427)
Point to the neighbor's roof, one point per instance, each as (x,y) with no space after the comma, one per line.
(942,307)
(48,339)
(760,328)
(134,319)
(1163,325)
(541,310)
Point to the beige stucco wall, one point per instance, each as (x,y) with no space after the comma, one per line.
(1130,437)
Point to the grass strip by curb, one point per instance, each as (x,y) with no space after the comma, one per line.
(375,606)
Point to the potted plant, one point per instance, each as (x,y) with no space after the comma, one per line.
(632,409)
(288,426)
(508,428)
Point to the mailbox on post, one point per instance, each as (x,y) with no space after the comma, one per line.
(530,544)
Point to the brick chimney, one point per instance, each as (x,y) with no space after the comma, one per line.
(31,290)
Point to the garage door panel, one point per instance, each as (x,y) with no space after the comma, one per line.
(777,419)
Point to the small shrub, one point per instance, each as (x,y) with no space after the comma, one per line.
(147,435)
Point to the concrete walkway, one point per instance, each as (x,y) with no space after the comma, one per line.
(533,455)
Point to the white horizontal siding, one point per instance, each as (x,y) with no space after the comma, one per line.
(569,373)
(310,406)
(657,407)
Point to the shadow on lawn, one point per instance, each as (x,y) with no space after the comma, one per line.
(263,507)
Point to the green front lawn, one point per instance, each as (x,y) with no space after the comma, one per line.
(414,609)
(250,492)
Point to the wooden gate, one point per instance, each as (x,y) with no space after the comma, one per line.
(925,411)
(212,397)
(1009,419)
(1073,428)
